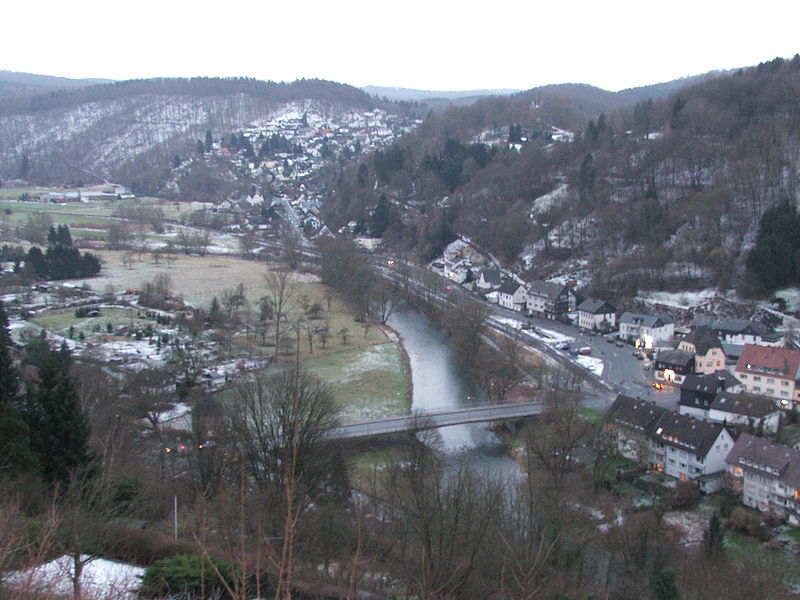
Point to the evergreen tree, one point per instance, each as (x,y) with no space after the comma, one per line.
(59,429)
(771,264)
(382,217)
(209,139)
(712,539)
(663,586)
(16,454)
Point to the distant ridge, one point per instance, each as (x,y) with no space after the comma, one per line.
(398,93)
(12,80)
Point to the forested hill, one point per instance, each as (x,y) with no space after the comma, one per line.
(129,131)
(12,82)
(659,193)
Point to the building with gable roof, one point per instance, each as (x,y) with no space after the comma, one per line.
(673,366)
(549,300)
(512,295)
(632,422)
(737,331)
(680,446)
(697,394)
(709,356)
(766,475)
(645,331)
(490,278)
(773,372)
(597,314)
(758,413)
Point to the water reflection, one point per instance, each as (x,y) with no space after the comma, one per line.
(440,383)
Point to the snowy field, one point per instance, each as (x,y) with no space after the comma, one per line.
(680,300)
(546,336)
(594,365)
(101,579)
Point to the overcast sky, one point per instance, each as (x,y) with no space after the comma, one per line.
(424,44)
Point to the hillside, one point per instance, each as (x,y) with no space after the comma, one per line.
(130,131)
(14,82)
(663,193)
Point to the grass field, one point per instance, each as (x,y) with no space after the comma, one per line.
(196,279)
(368,382)
(743,549)
(60,321)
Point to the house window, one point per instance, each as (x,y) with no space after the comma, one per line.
(784,393)
(756,388)
(756,378)
(770,380)
(784,383)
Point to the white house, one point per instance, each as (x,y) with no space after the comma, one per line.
(680,446)
(747,410)
(512,295)
(773,372)
(766,475)
(646,330)
(596,314)
(490,278)
(549,300)
(738,331)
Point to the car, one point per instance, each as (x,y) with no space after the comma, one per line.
(658,386)
(610,340)
(638,355)
(619,343)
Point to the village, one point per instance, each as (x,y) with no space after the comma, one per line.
(730,419)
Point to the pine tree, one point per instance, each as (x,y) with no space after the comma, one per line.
(59,429)
(712,539)
(16,454)
(663,586)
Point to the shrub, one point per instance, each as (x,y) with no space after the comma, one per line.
(184,576)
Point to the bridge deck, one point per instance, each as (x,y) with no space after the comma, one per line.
(433,420)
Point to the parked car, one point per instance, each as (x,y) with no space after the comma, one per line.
(619,343)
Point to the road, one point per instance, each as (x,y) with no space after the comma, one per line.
(622,372)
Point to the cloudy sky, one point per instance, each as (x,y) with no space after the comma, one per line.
(424,44)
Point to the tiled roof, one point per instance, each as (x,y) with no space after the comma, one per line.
(631,412)
(547,289)
(766,458)
(703,339)
(674,357)
(668,427)
(595,306)
(645,320)
(778,362)
(748,405)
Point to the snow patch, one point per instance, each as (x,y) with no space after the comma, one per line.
(592,364)
(101,579)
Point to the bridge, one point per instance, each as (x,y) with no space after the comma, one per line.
(436,419)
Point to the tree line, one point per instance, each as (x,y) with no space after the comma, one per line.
(60,260)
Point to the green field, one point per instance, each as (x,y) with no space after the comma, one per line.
(367,382)
(59,322)
(743,549)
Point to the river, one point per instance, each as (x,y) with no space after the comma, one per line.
(440,383)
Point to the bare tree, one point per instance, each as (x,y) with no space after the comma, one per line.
(552,440)
(385,300)
(282,291)
(149,394)
(438,524)
(279,424)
